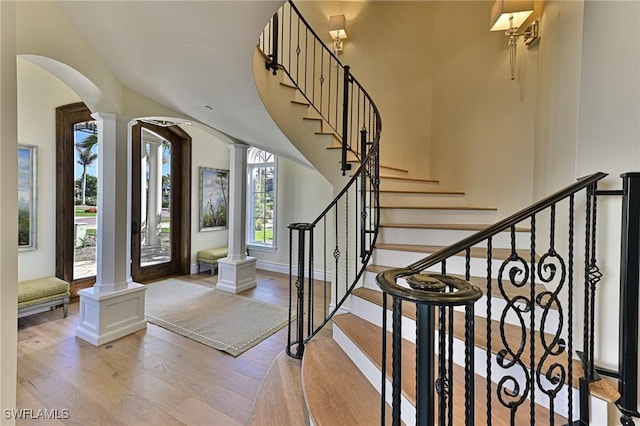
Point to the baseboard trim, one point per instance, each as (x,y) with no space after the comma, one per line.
(283,268)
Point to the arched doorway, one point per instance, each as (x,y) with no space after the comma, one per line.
(76,221)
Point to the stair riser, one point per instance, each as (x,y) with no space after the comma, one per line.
(445,237)
(416,199)
(455,264)
(369,280)
(372,313)
(438,216)
(389,171)
(407,185)
(498,306)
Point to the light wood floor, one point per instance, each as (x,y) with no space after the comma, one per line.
(152,377)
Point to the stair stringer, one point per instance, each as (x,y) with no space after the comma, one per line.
(289,116)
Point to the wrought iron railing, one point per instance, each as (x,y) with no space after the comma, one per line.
(539,316)
(327,256)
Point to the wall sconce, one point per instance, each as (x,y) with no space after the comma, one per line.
(337,32)
(508,16)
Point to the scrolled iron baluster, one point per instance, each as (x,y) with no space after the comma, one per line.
(518,273)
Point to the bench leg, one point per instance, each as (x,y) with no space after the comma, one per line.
(65,309)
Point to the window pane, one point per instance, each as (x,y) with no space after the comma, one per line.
(261,197)
(85,220)
(155,203)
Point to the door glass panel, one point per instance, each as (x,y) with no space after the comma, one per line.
(85,219)
(155,202)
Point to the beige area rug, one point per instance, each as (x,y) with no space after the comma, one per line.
(223,321)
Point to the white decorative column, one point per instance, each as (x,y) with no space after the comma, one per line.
(237,271)
(154,200)
(114,306)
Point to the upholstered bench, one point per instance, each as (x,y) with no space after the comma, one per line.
(210,257)
(42,294)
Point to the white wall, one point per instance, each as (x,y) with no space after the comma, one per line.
(609,135)
(42,30)
(483,127)
(609,122)
(588,120)
(449,110)
(559,72)
(301,195)
(392,61)
(207,151)
(39,93)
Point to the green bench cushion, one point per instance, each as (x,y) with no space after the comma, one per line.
(41,290)
(213,254)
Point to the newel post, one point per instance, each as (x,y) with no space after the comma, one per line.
(629,284)
(296,289)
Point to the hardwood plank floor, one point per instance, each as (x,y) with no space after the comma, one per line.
(152,377)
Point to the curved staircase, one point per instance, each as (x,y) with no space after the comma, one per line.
(541,381)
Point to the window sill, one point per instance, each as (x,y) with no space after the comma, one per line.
(258,247)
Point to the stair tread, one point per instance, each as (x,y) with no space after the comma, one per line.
(297,102)
(602,389)
(288,85)
(444,226)
(368,337)
(329,379)
(403,191)
(382,166)
(496,253)
(407,178)
(465,208)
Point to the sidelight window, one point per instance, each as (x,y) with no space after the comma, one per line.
(261,203)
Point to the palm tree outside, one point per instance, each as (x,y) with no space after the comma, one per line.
(86,157)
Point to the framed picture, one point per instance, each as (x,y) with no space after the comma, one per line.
(214,198)
(27,203)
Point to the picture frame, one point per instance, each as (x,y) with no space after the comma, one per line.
(27,197)
(214,199)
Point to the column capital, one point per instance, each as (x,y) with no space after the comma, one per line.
(109,116)
(239,146)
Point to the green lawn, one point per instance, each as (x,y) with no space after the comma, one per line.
(80,212)
(263,236)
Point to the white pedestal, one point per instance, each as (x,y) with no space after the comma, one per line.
(235,276)
(108,316)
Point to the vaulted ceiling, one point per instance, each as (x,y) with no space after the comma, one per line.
(195,57)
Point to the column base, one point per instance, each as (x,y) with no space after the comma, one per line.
(105,317)
(235,276)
